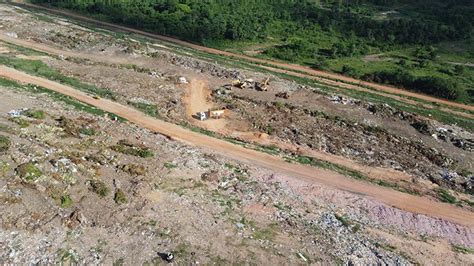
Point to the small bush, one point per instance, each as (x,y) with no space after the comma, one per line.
(28,171)
(462,249)
(279,105)
(134,169)
(87,131)
(23,123)
(66,201)
(36,114)
(445,196)
(4,143)
(344,220)
(99,187)
(169,165)
(120,197)
(126,147)
(356,228)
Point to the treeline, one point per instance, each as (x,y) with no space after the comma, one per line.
(355,27)
(439,87)
(198,20)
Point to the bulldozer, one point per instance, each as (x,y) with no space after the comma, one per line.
(263,86)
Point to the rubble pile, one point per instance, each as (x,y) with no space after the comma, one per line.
(201,66)
(370,145)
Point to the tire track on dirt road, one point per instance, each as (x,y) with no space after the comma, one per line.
(324,77)
(407,202)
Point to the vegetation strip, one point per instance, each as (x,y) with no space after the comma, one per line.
(58,97)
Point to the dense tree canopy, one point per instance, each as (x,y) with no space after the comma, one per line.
(199,20)
(298,27)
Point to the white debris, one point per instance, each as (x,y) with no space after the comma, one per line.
(183,80)
(17,112)
(64,165)
(12,34)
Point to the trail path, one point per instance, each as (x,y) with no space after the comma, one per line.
(390,197)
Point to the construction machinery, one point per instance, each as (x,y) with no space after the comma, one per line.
(251,84)
(263,86)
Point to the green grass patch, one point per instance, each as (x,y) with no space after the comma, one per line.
(445,196)
(99,187)
(169,165)
(87,131)
(66,201)
(267,233)
(329,166)
(67,257)
(5,143)
(24,50)
(125,147)
(28,171)
(35,114)
(38,68)
(22,122)
(149,109)
(462,249)
(120,197)
(343,219)
(58,97)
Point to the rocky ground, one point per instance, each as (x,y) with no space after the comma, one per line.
(138,73)
(85,188)
(78,187)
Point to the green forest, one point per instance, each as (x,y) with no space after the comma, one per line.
(425,46)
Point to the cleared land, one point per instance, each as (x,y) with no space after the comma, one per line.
(300,172)
(393,198)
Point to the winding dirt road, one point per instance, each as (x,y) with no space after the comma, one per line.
(292,69)
(390,197)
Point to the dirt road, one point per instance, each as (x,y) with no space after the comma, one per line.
(325,77)
(196,100)
(390,197)
(118,60)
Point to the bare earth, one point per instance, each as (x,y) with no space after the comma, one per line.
(393,198)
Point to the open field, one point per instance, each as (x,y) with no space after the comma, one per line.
(310,170)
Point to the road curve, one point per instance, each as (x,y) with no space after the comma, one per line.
(390,197)
(325,77)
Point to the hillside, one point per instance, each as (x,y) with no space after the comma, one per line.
(424,46)
(124,147)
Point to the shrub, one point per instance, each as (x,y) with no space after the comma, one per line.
(445,196)
(125,147)
(87,131)
(28,171)
(99,187)
(343,219)
(462,249)
(4,143)
(120,197)
(20,121)
(36,114)
(66,201)
(169,165)
(134,169)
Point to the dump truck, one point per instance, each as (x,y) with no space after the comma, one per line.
(211,114)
